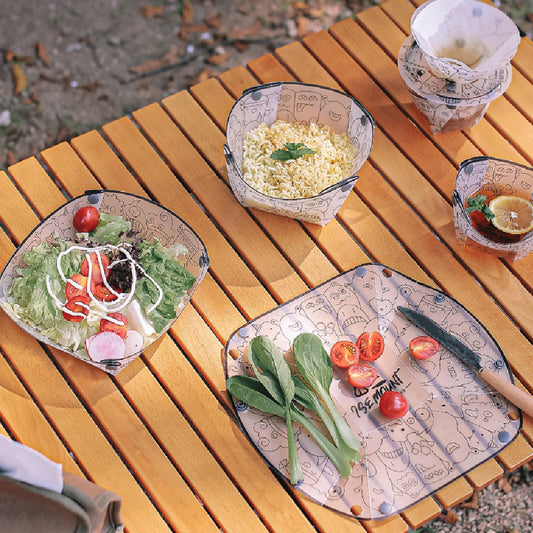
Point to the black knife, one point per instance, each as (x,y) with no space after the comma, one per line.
(511,392)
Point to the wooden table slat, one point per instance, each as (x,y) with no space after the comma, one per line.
(160,181)
(27,422)
(454,493)
(74,424)
(14,204)
(40,190)
(485,474)
(516,454)
(421,513)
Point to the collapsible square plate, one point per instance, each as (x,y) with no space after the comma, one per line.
(454,423)
(150,219)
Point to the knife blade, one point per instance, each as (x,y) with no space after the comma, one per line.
(508,390)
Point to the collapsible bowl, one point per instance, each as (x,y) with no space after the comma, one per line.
(149,219)
(449,105)
(491,177)
(463,40)
(301,103)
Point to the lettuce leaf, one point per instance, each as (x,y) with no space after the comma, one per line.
(173,278)
(30,298)
(109,229)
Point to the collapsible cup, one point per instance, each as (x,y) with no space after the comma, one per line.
(463,40)
(491,177)
(449,105)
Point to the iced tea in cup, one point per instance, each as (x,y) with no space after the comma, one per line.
(493,206)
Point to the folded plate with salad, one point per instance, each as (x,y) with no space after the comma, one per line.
(103,292)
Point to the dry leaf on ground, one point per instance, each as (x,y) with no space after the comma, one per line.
(213,20)
(9,56)
(301,26)
(151,11)
(252,30)
(171,56)
(205,75)
(19,79)
(300,6)
(503,484)
(241,46)
(42,53)
(451,517)
(90,87)
(64,133)
(187,13)
(219,59)
(472,503)
(10,158)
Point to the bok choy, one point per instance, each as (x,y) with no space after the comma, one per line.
(251,391)
(315,367)
(275,390)
(273,371)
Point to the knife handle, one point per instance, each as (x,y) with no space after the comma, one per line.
(517,396)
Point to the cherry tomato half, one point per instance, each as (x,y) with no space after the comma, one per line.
(361,375)
(371,345)
(344,353)
(118,324)
(86,219)
(393,404)
(72,288)
(423,347)
(97,276)
(101,292)
(79,305)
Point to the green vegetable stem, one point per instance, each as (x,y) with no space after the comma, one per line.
(251,391)
(274,373)
(315,367)
(308,399)
(291,151)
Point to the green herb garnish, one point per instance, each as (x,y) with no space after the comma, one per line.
(478,203)
(293,151)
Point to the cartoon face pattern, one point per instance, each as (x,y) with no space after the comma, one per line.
(304,103)
(457,423)
(442,99)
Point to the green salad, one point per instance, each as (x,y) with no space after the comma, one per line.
(105,295)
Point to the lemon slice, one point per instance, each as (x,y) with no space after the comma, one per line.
(512,214)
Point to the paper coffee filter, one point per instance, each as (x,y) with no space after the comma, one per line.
(463,38)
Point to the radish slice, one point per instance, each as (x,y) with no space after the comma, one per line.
(105,345)
(134,342)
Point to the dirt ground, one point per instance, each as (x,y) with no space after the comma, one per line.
(71,65)
(80,64)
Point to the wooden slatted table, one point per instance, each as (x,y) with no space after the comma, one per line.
(162,433)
